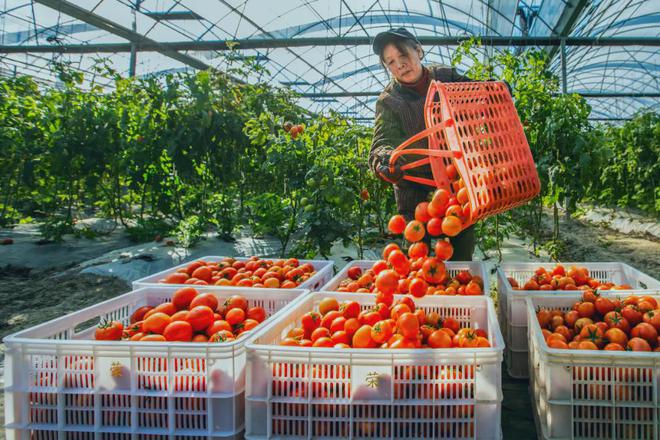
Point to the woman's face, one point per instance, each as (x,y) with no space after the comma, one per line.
(405,67)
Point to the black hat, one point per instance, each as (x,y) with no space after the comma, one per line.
(384,38)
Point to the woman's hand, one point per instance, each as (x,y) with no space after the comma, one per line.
(388,175)
(393,176)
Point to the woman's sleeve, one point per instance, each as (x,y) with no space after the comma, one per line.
(457,77)
(388,134)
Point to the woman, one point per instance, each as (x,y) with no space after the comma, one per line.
(400,115)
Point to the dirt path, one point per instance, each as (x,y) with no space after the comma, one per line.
(589,242)
(29,297)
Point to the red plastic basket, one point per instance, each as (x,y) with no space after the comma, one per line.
(475,125)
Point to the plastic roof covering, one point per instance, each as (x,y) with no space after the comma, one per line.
(328,69)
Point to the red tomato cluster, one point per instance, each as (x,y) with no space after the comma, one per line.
(255,272)
(445,214)
(576,278)
(189,316)
(600,323)
(293,130)
(415,274)
(396,325)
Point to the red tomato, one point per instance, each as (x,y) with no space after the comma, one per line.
(257,313)
(200,318)
(337,324)
(216,326)
(645,331)
(222,336)
(441,197)
(443,250)
(203,273)
(167,307)
(350,309)
(434,227)
(439,339)
(235,301)
(157,322)
(451,225)
(632,314)
(235,316)
(320,332)
(638,344)
(328,304)
(387,281)
(329,317)
(408,325)
(379,266)
(397,224)
(109,331)
(176,278)
(418,287)
(653,317)
(138,314)
(311,321)
(182,297)
(397,259)
(389,249)
(354,272)
(205,299)
(451,324)
(340,337)
(246,326)
(433,270)
(351,326)
(180,315)
(473,288)
(323,342)
(153,338)
(178,331)
(421,213)
(414,231)
(418,250)
(382,331)
(362,338)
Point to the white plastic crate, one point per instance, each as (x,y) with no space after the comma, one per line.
(324,271)
(300,392)
(479,268)
(59,381)
(584,394)
(513,309)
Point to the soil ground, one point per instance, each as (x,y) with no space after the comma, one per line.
(589,242)
(29,297)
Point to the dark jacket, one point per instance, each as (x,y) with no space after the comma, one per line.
(400,115)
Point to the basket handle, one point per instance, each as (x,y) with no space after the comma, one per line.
(400,150)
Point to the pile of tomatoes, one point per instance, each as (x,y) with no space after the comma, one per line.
(255,272)
(601,323)
(398,324)
(417,271)
(190,316)
(445,214)
(416,274)
(576,278)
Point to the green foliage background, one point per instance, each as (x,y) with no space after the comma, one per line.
(188,153)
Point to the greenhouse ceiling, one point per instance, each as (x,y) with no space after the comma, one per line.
(322,50)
